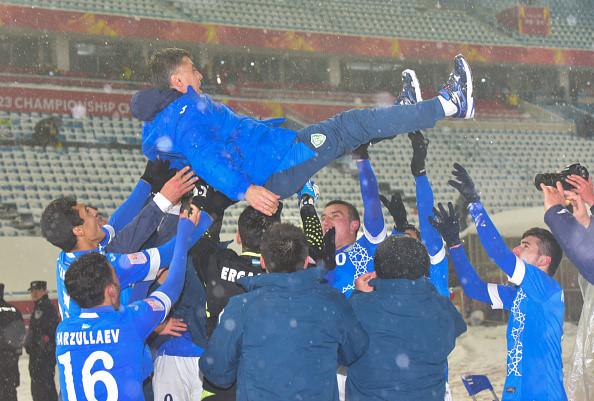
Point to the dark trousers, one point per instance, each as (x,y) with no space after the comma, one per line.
(9,377)
(343,133)
(42,369)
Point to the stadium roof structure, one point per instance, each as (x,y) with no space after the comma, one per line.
(369,29)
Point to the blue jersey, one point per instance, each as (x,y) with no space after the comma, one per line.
(100,351)
(535,328)
(130,268)
(353,261)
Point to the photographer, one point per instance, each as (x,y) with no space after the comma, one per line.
(575,234)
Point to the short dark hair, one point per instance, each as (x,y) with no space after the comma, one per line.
(252,225)
(547,246)
(414,229)
(86,279)
(163,63)
(284,248)
(353,213)
(401,257)
(57,221)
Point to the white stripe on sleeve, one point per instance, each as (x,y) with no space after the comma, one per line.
(378,238)
(164,298)
(438,257)
(496,302)
(519,272)
(155,263)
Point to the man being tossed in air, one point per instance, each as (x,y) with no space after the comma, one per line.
(257,160)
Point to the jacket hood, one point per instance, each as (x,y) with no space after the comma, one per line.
(300,279)
(147,103)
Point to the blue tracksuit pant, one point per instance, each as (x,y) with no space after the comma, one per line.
(319,144)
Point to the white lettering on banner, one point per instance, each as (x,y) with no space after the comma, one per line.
(65,102)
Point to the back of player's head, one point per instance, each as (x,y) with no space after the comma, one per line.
(164,63)
(401,258)
(252,225)
(284,248)
(413,231)
(57,221)
(547,246)
(86,279)
(353,213)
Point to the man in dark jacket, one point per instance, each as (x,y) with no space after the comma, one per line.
(12,333)
(41,344)
(411,328)
(283,339)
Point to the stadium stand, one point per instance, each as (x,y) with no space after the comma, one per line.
(505,162)
(572,21)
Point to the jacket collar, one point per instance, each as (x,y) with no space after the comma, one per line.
(293,281)
(402,286)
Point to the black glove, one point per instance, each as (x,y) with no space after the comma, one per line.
(361,152)
(464,185)
(329,249)
(419,144)
(447,224)
(397,210)
(157,173)
(210,200)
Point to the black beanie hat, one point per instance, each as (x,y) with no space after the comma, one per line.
(401,257)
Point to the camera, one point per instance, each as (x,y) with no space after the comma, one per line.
(550,179)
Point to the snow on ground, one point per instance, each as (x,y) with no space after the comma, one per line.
(481,350)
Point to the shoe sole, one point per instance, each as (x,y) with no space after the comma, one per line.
(415,84)
(469,90)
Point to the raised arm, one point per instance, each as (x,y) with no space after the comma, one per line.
(137,232)
(373,218)
(446,222)
(576,240)
(154,309)
(494,245)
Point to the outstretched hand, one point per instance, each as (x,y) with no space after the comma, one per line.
(447,223)
(362,282)
(397,210)
(180,184)
(419,144)
(464,184)
(172,327)
(262,200)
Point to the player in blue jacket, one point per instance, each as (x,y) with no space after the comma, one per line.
(535,328)
(257,160)
(100,351)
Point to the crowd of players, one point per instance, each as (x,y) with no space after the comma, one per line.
(155,306)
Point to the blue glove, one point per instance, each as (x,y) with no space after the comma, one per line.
(447,224)
(464,185)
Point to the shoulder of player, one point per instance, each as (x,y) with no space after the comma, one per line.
(545,277)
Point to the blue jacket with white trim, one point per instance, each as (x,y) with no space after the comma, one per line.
(228,150)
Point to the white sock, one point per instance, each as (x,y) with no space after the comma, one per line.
(449,108)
